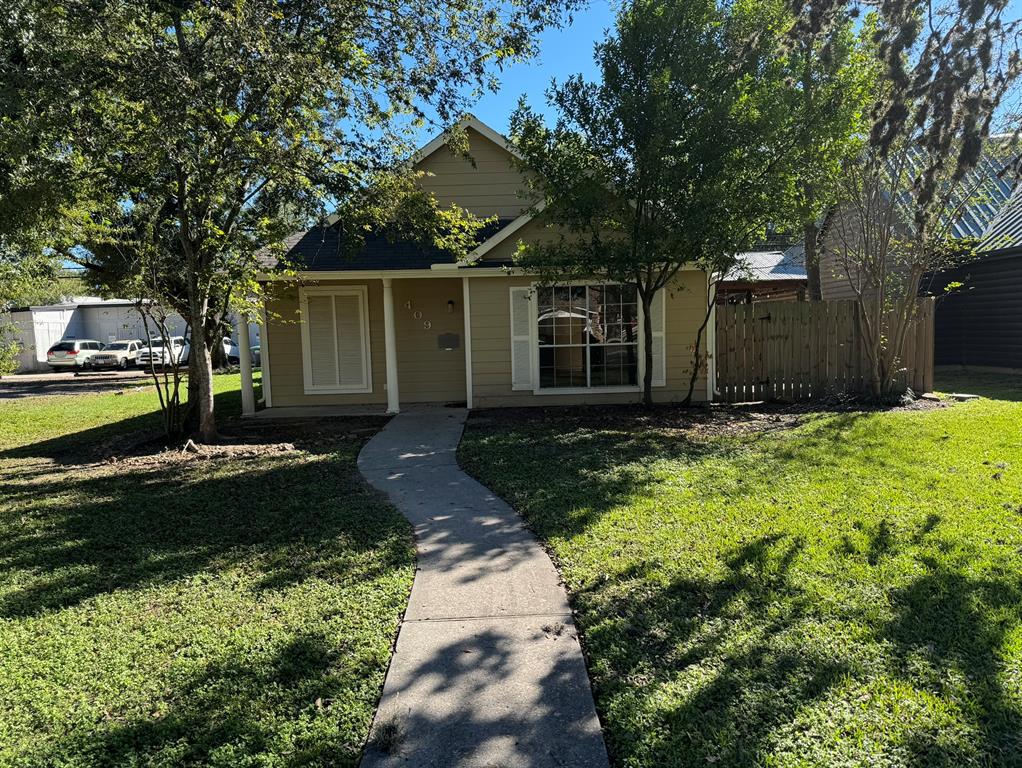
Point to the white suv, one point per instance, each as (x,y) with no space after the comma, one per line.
(118,354)
(72,354)
(159,356)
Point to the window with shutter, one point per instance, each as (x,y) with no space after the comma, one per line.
(335,340)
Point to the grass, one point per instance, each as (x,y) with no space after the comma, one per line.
(89,418)
(843,592)
(227,611)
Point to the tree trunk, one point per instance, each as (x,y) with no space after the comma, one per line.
(812,255)
(202,369)
(647,355)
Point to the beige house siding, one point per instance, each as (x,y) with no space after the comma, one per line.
(284,342)
(491,346)
(426,372)
(489,187)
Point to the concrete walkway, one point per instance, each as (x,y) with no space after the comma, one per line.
(487,670)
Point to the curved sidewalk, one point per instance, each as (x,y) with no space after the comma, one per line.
(487,670)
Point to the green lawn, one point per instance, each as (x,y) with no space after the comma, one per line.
(844,592)
(231,611)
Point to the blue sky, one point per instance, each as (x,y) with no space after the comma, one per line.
(562,52)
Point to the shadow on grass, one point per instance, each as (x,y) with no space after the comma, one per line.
(235,712)
(694,669)
(71,537)
(995,386)
(114,552)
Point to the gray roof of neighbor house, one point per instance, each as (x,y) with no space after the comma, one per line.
(320,249)
(770,264)
(1005,229)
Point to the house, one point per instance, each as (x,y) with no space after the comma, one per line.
(979,324)
(397,324)
(775,273)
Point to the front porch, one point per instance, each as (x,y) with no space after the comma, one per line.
(362,347)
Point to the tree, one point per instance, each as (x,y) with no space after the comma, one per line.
(948,67)
(834,73)
(225,126)
(681,155)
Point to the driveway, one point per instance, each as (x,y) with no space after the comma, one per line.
(45,384)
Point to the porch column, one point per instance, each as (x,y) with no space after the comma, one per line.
(466,310)
(390,344)
(245,359)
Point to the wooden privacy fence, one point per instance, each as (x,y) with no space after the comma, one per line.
(804,350)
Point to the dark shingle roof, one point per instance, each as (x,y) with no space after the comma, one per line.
(319,250)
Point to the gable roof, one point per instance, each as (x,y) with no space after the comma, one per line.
(477,125)
(319,249)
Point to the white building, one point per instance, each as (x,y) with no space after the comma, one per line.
(84,317)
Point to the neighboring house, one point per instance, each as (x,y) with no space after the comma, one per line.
(766,274)
(397,324)
(82,317)
(981,323)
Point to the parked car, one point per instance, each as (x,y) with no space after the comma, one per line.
(72,354)
(159,356)
(118,354)
(183,349)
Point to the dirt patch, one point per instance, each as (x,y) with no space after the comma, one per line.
(700,421)
(239,439)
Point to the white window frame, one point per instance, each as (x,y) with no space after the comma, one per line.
(362,292)
(640,366)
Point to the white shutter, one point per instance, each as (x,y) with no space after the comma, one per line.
(322,350)
(351,363)
(522,310)
(657,311)
(335,341)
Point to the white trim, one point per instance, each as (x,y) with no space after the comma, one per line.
(466,313)
(586,390)
(711,343)
(264,360)
(390,347)
(362,292)
(405,274)
(503,234)
(660,376)
(468,121)
(382,274)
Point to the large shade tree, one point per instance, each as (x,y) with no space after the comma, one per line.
(682,154)
(213,129)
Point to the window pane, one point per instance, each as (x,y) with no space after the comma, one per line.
(544,299)
(546,329)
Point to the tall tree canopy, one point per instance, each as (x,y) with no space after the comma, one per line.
(201,131)
(682,154)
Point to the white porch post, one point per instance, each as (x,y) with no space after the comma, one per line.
(466,311)
(245,359)
(390,343)
(711,340)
